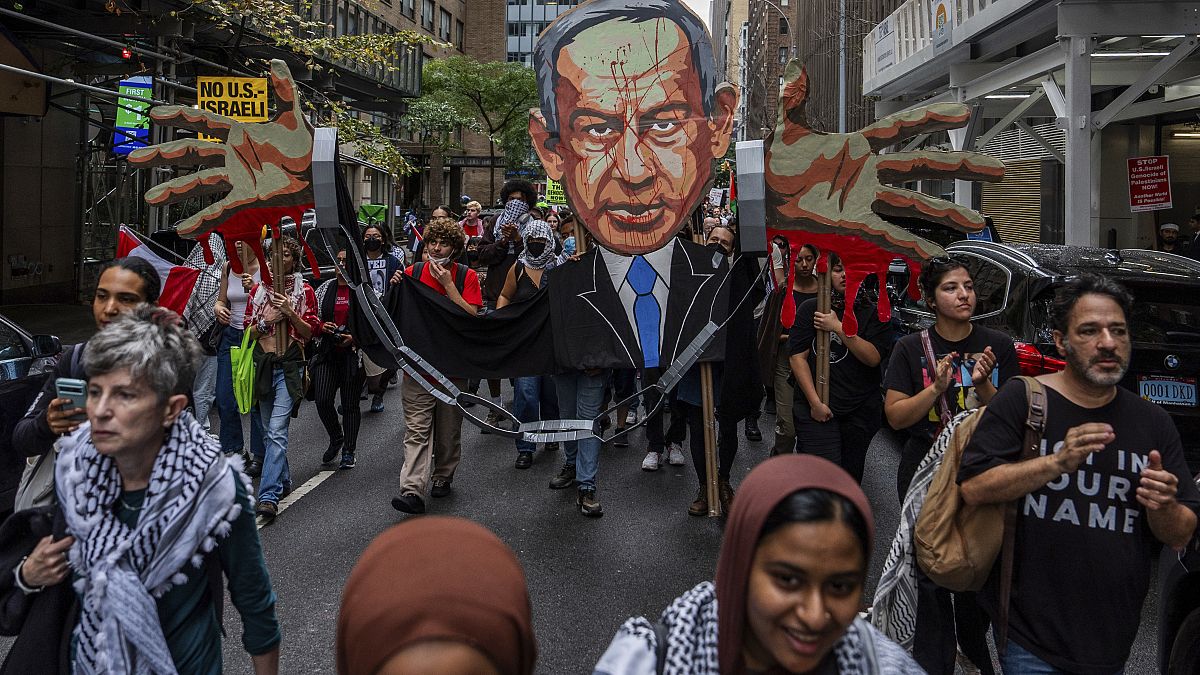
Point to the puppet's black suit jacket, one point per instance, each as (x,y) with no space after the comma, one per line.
(592,329)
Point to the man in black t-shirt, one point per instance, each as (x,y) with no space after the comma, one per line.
(1108,489)
(841,430)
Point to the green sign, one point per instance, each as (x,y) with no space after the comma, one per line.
(372,213)
(554,192)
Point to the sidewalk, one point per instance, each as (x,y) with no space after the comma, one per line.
(71,323)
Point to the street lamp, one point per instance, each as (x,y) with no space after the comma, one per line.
(788,21)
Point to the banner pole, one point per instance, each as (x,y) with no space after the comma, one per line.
(708,409)
(824,305)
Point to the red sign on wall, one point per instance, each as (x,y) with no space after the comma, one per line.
(1149,183)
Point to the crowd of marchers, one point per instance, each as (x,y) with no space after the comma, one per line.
(151,515)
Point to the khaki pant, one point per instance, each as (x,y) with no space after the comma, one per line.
(432,437)
(785,427)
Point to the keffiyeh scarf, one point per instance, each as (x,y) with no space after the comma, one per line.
(538,229)
(514,210)
(261,300)
(190,503)
(691,639)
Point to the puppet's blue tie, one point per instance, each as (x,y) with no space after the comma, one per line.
(641,279)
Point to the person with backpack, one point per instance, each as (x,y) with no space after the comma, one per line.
(841,429)
(789,586)
(1107,491)
(433,429)
(969,363)
(534,397)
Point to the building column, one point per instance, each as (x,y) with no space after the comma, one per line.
(1079,229)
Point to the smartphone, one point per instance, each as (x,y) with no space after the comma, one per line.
(76,391)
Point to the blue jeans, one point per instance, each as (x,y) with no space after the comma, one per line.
(534,399)
(579,397)
(231,420)
(276,476)
(1019,661)
(203,390)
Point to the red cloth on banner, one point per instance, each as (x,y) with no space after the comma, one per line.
(177,280)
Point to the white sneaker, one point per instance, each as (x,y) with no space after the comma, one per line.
(675,455)
(651,462)
(631,418)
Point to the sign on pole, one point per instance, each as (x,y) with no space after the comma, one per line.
(242,98)
(554,192)
(943,25)
(132,121)
(1149,183)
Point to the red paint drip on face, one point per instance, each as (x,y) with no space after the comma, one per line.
(860,259)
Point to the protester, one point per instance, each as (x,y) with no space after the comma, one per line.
(278,373)
(498,251)
(471,223)
(580,394)
(230,309)
(433,429)
(789,587)
(841,428)
(534,397)
(972,362)
(382,269)
(804,288)
(457,606)
(335,367)
(1108,491)
(156,510)
(1168,235)
(625,386)
(122,285)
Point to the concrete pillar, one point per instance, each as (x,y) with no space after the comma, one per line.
(1080,207)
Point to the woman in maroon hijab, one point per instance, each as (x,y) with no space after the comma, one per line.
(788,590)
(436,595)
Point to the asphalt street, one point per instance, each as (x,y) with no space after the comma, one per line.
(585,576)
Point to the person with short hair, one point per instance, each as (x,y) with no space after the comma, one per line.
(1108,489)
(123,284)
(789,586)
(433,429)
(278,384)
(471,223)
(1168,237)
(156,510)
(230,310)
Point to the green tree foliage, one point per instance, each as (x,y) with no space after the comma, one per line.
(433,124)
(496,95)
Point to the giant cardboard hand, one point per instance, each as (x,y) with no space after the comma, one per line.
(832,190)
(265,168)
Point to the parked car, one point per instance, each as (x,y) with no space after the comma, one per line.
(1015,284)
(25,363)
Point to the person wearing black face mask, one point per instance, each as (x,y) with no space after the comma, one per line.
(534,398)
(383,269)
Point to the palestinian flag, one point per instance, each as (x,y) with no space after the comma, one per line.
(733,192)
(177,280)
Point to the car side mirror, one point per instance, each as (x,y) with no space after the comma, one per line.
(46,345)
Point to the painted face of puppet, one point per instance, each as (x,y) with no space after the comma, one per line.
(635,147)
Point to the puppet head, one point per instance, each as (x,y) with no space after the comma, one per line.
(632,117)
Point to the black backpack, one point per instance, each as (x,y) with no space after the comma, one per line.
(460,274)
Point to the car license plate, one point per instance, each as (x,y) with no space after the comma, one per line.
(1168,390)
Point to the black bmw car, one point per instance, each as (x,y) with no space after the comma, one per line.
(25,363)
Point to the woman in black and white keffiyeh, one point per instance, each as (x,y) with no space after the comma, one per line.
(158,512)
(788,590)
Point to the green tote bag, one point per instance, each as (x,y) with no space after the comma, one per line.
(242,359)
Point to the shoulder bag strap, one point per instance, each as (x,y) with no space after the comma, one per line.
(1035,426)
(931,368)
(418,270)
(460,276)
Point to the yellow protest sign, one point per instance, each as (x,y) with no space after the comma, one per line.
(242,98)
(554,192)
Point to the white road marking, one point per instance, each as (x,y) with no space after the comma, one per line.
(297,494)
